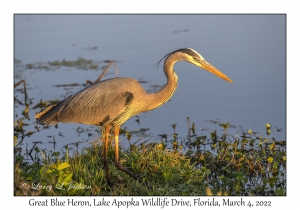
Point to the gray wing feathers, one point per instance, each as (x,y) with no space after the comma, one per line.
(98,104)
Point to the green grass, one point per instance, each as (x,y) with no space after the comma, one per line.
(219,165)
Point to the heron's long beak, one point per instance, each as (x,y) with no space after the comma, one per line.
(207,66)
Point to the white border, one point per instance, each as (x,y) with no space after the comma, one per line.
(191,6)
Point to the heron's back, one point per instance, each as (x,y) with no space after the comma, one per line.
(98,104)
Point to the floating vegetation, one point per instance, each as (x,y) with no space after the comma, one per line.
(68,85)
(38,65)
(90,48)
(25,111)
(88,82)
(80,63)
(181,31)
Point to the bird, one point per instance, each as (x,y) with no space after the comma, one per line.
(111,102)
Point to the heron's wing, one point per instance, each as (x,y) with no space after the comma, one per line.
(98,104)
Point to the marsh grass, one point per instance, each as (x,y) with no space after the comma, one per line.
(220,165)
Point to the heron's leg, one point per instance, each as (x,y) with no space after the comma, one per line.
(117,163)
(105,151)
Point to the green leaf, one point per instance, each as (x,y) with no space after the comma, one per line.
(42,170)
(279,191)
(272,146)
(276,164)
(68,178)
(55,154)
(63,166)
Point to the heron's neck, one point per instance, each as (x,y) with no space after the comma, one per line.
(162,96)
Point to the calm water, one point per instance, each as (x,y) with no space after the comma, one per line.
(250,49)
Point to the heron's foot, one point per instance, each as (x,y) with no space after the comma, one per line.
(122,168)
(109,183)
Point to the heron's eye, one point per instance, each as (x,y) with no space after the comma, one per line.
(196,58)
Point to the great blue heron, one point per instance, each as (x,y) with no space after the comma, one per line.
(111,102)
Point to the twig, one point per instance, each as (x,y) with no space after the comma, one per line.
(25,92)
(103,73)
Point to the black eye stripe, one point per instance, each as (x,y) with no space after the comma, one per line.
(190,52)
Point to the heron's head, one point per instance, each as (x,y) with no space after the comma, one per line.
(195,58)
(190,55)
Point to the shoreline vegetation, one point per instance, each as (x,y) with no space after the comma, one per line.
(219,164)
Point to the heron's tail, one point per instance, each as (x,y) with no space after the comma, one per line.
(44,111)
